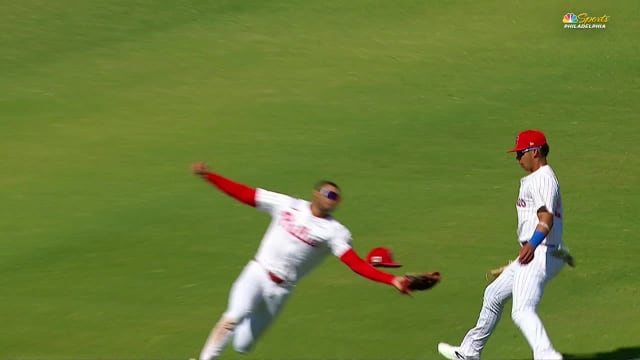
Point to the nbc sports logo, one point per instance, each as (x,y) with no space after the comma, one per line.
(584,21)
(570,18)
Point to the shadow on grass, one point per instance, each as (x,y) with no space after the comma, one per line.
(627,353)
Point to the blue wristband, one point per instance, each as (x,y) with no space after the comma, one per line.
(537,238)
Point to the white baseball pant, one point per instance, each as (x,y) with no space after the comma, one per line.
(254,302)
(525,283)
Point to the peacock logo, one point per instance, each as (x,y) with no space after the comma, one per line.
(570,18)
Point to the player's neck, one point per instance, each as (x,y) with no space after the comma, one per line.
(538,165)
(317,212)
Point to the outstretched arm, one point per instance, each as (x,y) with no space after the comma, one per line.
(364,269)
(240,192)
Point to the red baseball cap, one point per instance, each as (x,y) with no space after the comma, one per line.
(381,256)
(528,139)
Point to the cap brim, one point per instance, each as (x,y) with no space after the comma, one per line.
(516,149)
(390,265)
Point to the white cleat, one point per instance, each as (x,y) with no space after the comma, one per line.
(552,356)
(450,352)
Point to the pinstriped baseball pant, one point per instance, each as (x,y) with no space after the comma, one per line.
(525,283)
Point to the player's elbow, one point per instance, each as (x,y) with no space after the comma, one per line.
(545,217)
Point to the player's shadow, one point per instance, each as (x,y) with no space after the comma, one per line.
(626,353)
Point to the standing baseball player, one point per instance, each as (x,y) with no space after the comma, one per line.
(300,236)
(539,209)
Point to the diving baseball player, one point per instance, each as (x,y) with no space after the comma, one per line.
(300,236)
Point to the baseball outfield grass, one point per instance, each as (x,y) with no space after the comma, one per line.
(111,249)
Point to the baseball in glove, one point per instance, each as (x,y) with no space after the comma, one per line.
(422,281)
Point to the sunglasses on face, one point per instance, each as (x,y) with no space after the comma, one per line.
(521,153)
(329,194)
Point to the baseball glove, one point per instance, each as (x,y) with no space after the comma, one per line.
(422,281)
(494,273)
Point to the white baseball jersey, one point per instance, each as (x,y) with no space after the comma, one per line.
(296,240)
(539,189)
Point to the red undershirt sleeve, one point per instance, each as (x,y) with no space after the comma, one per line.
(364,269)
(240,192)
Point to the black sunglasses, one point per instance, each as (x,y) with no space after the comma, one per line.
(329,194)
(521,153)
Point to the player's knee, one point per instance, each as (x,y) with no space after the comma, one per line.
(226,324)
(244,338)
(488,295)
(519,315)
(491,301)
(242,345)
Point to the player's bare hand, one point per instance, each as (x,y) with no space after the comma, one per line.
(526,254)
(199,168)
(402,284)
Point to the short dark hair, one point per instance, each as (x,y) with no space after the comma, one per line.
(322,183)
(544,149)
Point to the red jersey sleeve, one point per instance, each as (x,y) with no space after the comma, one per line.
(364,269)
(240,192)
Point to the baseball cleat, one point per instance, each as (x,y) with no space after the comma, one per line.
(553,356)
(450,352)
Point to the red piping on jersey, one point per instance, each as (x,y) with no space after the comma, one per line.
(240,192)
(363,268)
(310,243)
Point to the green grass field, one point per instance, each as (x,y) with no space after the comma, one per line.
(111,249)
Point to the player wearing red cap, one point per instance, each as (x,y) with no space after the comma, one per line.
(301,234)
(539,209)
